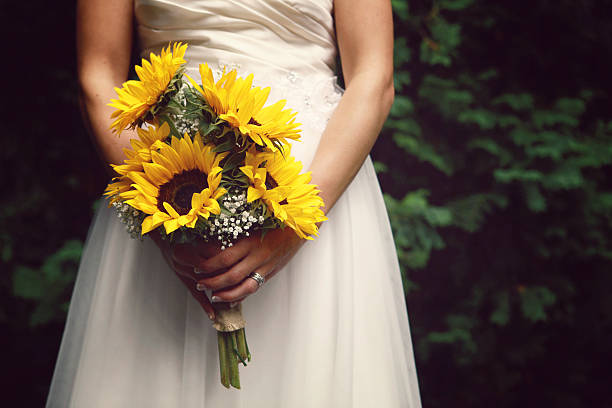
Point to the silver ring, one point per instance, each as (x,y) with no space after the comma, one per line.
(258,278)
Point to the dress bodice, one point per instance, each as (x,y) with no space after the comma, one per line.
(289,46)
(287,35)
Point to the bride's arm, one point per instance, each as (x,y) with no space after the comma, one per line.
(104,45)
(365,39)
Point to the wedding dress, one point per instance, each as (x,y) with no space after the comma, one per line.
(329,330)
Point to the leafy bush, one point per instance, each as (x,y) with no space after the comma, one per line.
(503,225)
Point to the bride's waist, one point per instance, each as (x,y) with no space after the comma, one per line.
(255,55)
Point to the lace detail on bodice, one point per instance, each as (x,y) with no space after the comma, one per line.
(313,98)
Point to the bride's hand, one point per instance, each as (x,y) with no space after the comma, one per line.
(184,259)
(230,268)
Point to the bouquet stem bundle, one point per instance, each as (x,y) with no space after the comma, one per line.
(231,339)
(233,349)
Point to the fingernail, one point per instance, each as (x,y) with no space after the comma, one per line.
(215,299)
(234,304)
(211,316)
(200,287)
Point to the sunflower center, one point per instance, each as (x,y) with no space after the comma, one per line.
(180,189)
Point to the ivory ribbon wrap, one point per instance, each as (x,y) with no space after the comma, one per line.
(228,319)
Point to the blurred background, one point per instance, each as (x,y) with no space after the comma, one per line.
(495,162)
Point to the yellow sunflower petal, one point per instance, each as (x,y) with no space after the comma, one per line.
(136,97)
(171,211)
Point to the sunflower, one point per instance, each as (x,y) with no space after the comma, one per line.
(179,185)
(214,93)
(241,105)
(138,97)
(284,190)
(148,139)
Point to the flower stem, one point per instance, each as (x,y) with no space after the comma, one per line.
(243,348)
(233,366)
(224,362)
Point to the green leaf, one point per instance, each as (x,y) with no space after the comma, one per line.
(505,121)
(380,167)
(442,47)
(401,79)
(543,118)
(401,52)
(535,300)
(423,151)
(460,332)
(501,314)
(445,95)
(447,34)
(455,4)
(414,224)
(53,268)
(483,118)
(226,146)
(523,137)
(434,57)
(48,285)
(406,125)
(571,106)
(28,283)
(400,9)
(416,258)
(402,106)
(518,102)
(536,202)
(492,147)
(517,174)
(469,213)
(438,216)
(564,177)
(488,74)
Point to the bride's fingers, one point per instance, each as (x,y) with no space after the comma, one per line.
(200,297)
(248,286)
(239,292)
(235,274)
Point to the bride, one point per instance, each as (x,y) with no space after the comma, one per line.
(328,328)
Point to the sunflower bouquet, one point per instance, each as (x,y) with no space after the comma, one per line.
(210,163)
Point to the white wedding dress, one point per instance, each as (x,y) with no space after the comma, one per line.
(329,330)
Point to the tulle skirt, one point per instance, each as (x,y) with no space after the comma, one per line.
(329,330)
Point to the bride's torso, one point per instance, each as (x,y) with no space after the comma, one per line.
(289,45)
(285,35)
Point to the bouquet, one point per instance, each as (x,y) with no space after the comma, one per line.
(210,163)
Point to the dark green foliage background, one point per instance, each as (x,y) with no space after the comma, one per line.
(494,161)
